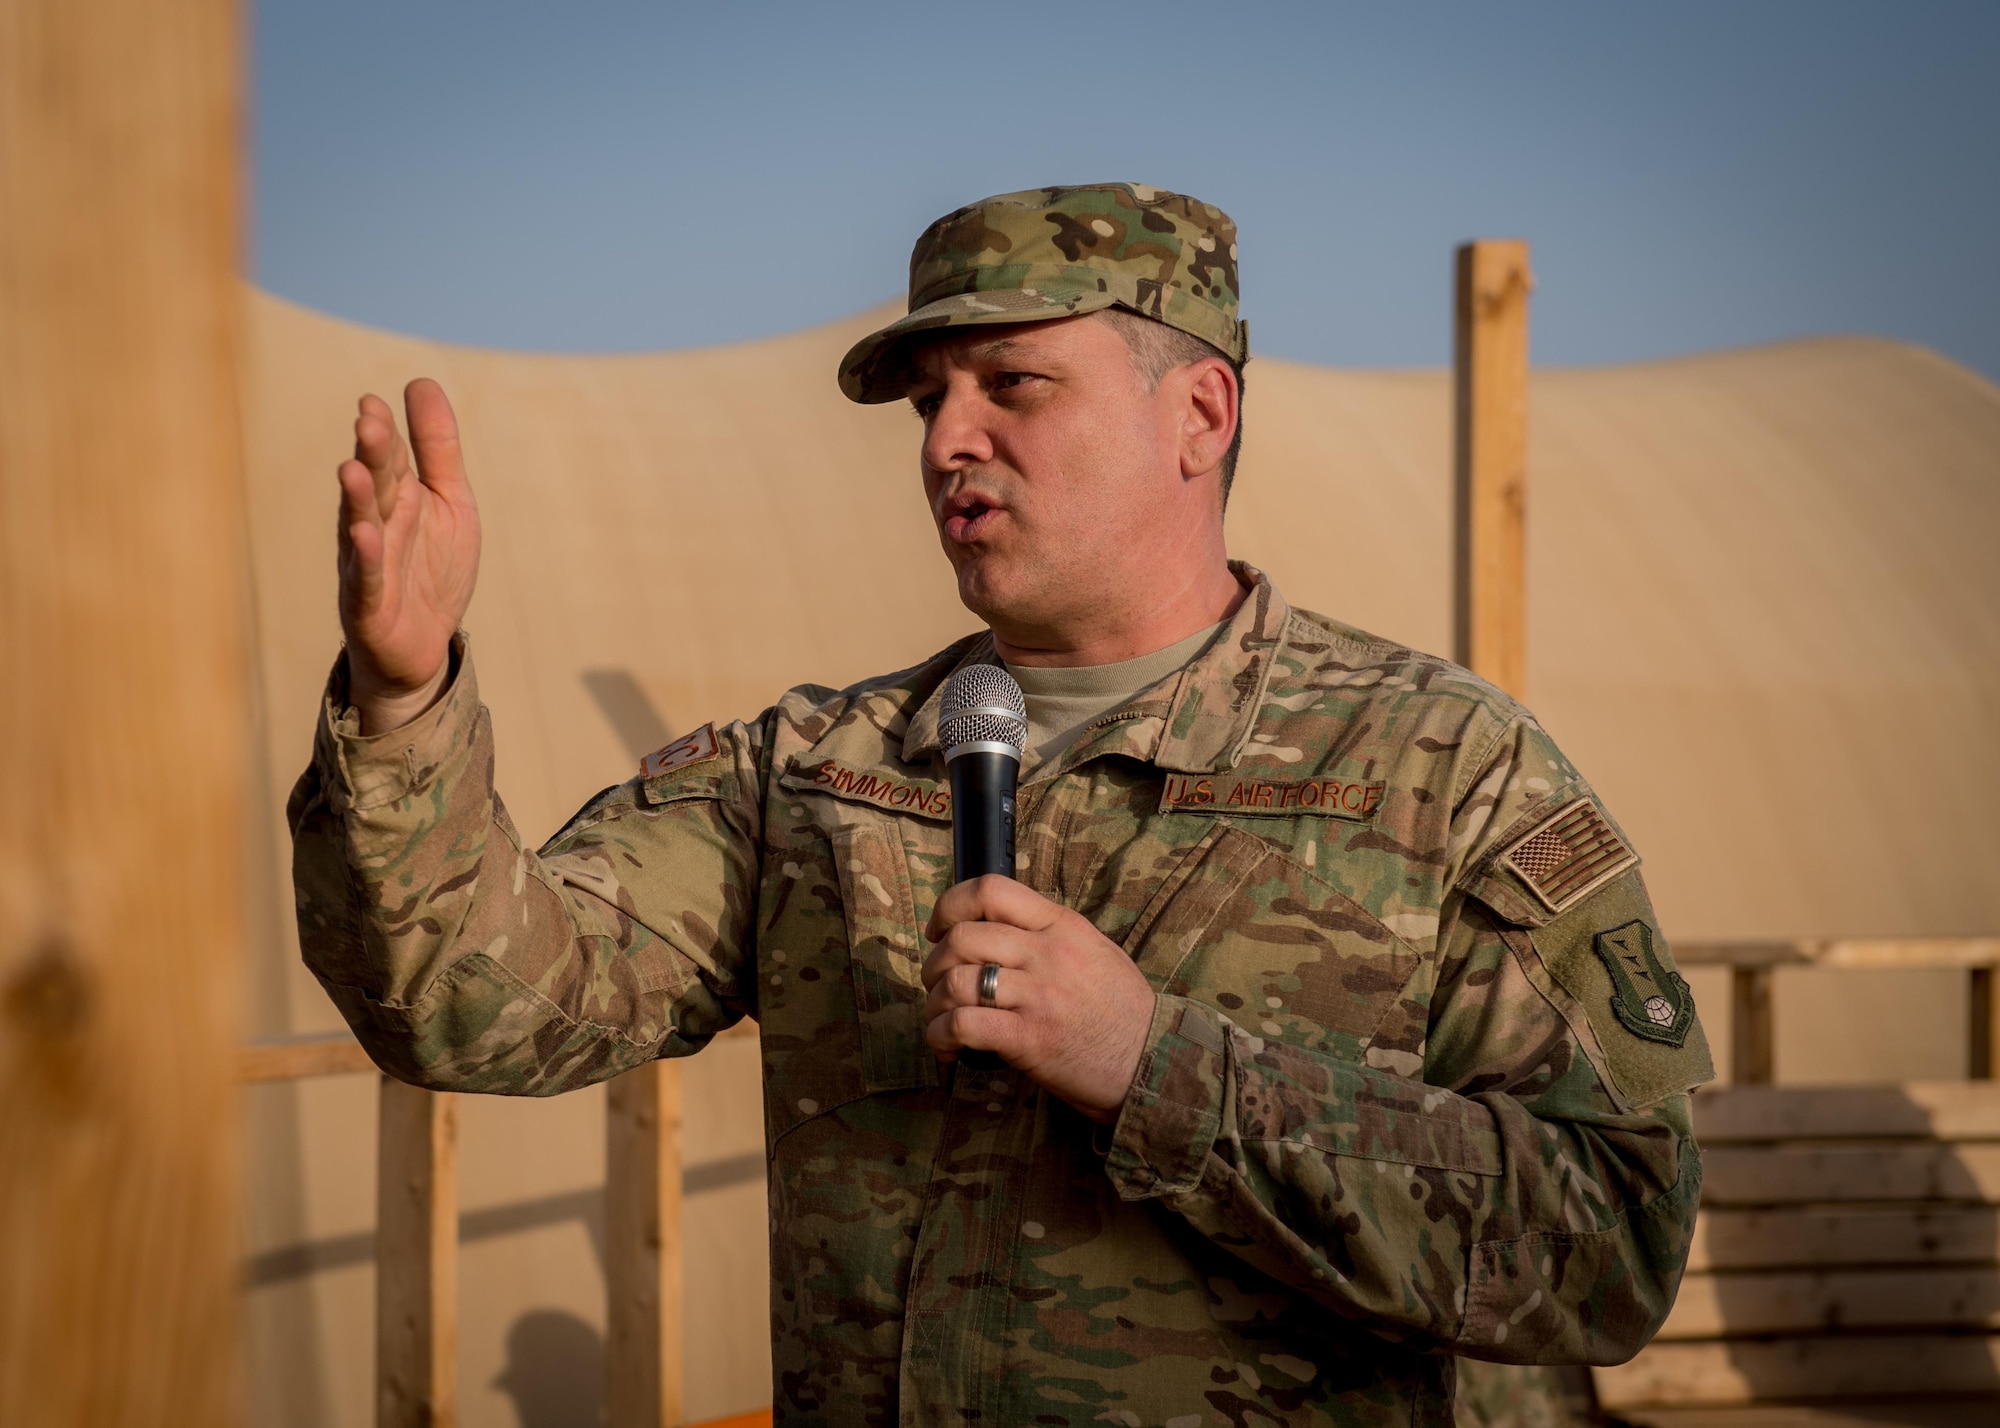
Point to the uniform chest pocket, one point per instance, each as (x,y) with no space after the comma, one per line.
(887,952)
(1243,927)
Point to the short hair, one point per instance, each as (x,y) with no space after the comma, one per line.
(1157,349)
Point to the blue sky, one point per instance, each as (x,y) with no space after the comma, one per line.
(602,177)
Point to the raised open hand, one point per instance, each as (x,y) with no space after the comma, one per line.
(409,554)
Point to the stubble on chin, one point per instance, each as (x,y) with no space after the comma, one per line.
(976,587)
(1023,604)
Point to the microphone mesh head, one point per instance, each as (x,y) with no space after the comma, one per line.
(982,705)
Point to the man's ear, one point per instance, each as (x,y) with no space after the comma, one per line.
(1208,417)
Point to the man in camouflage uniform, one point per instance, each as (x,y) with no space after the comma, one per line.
(1337,1037)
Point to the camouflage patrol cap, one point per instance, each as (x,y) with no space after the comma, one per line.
(1060,252)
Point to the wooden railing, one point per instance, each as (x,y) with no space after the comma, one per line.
(416,1236)
(1753,967)
(1846,1243)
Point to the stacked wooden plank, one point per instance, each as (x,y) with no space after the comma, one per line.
(1849,1247)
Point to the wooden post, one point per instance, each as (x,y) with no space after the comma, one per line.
(1752,1032)
(1982,1031)
(416,1259)
(642,1246)
(124,726)
(1490,459)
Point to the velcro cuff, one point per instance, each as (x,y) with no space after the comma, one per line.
(1174,1109)
(364,771)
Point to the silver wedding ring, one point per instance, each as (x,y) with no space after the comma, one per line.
(989,985)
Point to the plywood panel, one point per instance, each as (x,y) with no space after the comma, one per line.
(1829,1368)
(1897,1411)
(1937,1110)
(124,721)
(1805,1237)
(1744,1175)
(1712,1306)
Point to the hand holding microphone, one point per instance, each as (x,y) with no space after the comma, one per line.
(1012,972)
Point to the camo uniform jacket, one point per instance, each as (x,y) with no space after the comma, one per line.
(1414,1085)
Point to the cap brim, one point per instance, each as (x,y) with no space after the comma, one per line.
(876,369)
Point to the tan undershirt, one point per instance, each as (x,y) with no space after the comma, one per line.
(1062,700)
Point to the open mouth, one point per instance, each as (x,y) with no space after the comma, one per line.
(968,516)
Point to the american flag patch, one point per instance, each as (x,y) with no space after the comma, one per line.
(1568,855)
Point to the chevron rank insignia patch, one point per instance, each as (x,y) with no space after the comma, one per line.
(1651,999)
(1568,855)
(694,748)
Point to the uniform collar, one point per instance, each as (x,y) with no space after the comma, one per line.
(920,739)
(1216,704)
(1196,721)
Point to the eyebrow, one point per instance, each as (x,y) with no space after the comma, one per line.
(997,349)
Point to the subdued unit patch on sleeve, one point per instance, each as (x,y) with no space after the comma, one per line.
(699,765)
(1607,953)
(1651,999)
(1568,855)
(695,748)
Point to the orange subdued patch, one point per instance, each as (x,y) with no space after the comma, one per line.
(694,748)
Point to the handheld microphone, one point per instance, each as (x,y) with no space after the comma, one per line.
(982,726)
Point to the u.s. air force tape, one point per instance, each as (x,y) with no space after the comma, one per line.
(1254,795)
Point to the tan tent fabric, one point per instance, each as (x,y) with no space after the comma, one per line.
(1765,617)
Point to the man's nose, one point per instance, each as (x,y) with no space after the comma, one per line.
(957,435)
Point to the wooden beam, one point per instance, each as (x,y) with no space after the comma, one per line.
(1917,1110)
(1904,952)
(1982,1031)
(296,1057)
(1794,1301)
(124,724)
(642,1235)
(1829,1368)
(1807,1237)
(1490,459)
(1743,954)
(1823,1174)
(1894,953)
(1753,1033)
(416,1259)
